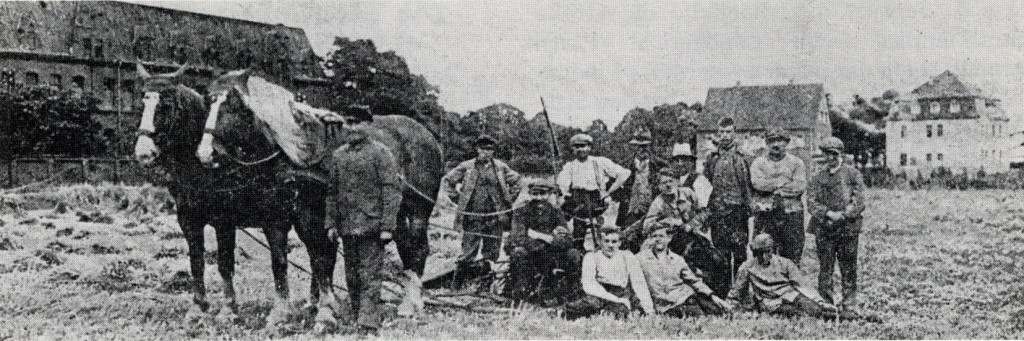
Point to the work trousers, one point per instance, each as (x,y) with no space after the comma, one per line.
(696,305)
(803,305)
(546,276)
(365,268)
(841,248)
(787,229)
(589,305)
(587,205)
(729,233)
(482,230)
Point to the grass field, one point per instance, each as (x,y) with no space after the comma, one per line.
(108,264)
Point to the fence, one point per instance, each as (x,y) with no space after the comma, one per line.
(22,171)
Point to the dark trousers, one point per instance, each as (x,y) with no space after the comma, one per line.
(365,267)
(729,233)
(832,248)
(803,305)
(787,229)
(588,305)
(697,305)
(485,230)
(546,275)
(584,204)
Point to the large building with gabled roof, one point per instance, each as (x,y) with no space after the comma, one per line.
(950,123)
(800,109)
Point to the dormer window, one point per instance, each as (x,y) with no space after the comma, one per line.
(915,108)
(954,107)
(934,108)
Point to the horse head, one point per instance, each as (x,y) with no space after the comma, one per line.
(177,105)
(233,126)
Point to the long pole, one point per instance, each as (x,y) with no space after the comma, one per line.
(551,131)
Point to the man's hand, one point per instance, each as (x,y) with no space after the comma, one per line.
(385,236)
(722,303)
(834,216)
(625,301)
(332,234)
(519,252)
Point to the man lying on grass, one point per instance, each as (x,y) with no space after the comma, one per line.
(676,290)
(608,274)
(778,287)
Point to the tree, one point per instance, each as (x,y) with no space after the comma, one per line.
(44,120)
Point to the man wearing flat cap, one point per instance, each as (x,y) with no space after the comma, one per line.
(779,179)
(488,186)
(544,267)
(584,181)
(639,190)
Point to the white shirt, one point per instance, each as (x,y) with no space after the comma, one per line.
(576,174)
(702,188)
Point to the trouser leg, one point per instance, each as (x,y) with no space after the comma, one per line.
(826,260)
(787,230)
(584,307)
(371,273)
(846,254)
(353,265)
(470,240)
(490,250)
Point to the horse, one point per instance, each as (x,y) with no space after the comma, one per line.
(269,114)
(226,197)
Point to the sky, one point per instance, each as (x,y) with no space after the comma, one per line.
(599,59)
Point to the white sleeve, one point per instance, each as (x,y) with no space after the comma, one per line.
(702,188)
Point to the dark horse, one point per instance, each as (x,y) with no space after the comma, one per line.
(255,117)
(226,197)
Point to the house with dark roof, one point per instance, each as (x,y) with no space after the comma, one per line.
(947,122)
(800,109)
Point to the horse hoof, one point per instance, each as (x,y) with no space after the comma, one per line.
(278,316)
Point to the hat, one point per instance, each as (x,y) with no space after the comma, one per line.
(641,137)
(359,112)
(683,150)
(579,139)
(832,144)
(542,184)
(485,140)
(775,134)
(669,171)
(762,242)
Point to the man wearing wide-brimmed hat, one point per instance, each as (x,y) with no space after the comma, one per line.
(544,267)
(584,181)
(685,162)
(779,179)
(488,186)
(640,187)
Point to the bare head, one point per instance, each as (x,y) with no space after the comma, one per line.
(152,87)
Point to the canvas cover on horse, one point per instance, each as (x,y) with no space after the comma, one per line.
(298,128)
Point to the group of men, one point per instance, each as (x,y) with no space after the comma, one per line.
(670,218)
(673,248)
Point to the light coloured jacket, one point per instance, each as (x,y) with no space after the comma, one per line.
(788,177)
(670,279)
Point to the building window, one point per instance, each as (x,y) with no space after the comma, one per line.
(928,130)
(110,85)
(57,80)
(938,130)
(903,159)
(928,157)
(935,107)
(903,131)
(938,157)
(32,78)
(78,82)
(993,130)
(954,107)
(127,93)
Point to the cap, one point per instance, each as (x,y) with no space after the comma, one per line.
(832,144)
(726,122)
(762,242)
(641,137)
(579,139)
(683,150)
(776,134)
(485,140)
(542,184)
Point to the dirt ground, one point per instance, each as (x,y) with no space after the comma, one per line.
(933,264)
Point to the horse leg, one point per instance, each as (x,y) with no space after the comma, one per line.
(192,227)
(277,238)
(322,257)
(226,266)
(413,248)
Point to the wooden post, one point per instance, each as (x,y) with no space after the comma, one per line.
(49,168)
(85,169)
(117,170)
(10,173)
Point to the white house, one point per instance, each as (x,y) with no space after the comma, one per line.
(947,123)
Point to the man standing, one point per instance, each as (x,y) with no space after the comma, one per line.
(729,204)
(363,210)
(488,186)
(779,179)
(544,268)
(675,289)
(584,183)
(835,197)
(640,188)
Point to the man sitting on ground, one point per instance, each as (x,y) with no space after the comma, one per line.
(776,284)
(608,275)
(544,266)
(675,289)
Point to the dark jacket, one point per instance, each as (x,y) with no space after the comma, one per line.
(626,191)
(842,191)
(467,173)
(367,189)
(729,173)
(540,216)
